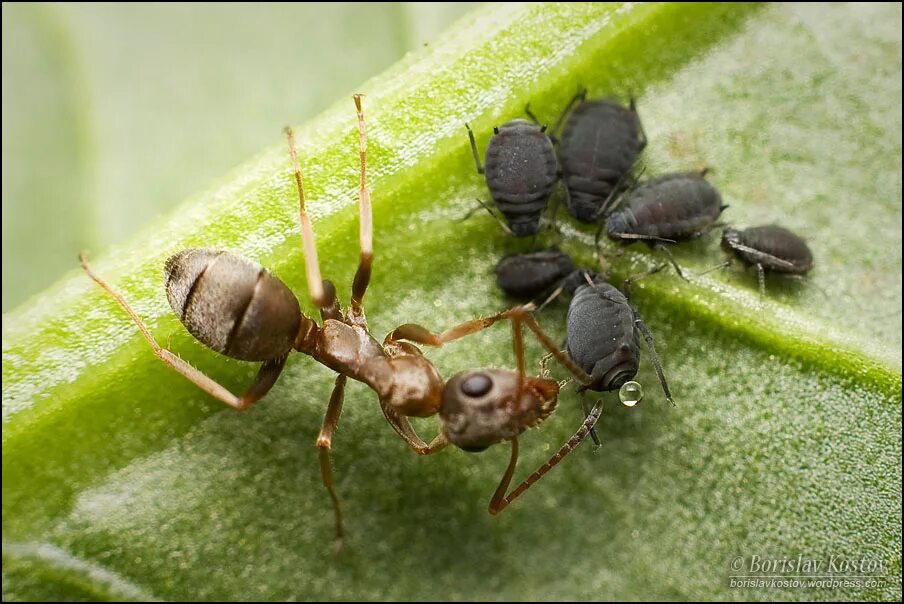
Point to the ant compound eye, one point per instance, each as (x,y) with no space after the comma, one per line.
(630,393)
(476,385)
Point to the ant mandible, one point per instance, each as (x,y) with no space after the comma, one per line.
(237,308)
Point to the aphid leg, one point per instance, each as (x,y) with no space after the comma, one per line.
(490,211)
(643,134)
(474,149)
(596,439)
(324,440)
(761,278)
(653,357)
(721,266)
(555,294)
(579,96)
(403,428)
(311,264)
(500,500)
(627,283)
(661,247)
(265,379)
(365,223)
(533,117)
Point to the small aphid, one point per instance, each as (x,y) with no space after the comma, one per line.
(527,276)
(769,248)
(520,173)
(673,207)
(599,146)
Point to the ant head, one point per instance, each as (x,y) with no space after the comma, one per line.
(483,407)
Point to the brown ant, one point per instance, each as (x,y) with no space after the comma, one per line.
(237,308)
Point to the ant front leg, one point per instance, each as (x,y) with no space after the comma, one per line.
(519,314)
(266,377)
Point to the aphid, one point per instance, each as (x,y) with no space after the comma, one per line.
(237,308)
(673,207)
(603,336)
(769,248)
(520,172)
(526,276)
(599,146)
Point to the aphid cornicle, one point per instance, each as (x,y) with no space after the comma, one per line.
(521,170)
(673,207)
(599,146)
(769,248)
(239,309)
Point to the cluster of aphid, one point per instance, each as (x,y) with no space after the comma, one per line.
(595,155)
(236,307)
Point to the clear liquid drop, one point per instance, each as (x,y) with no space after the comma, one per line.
(630,393)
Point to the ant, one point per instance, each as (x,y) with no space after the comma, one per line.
(237,308)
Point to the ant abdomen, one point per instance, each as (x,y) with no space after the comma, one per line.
(482,407)
(232,304)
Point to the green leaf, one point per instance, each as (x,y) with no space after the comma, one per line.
(121,480)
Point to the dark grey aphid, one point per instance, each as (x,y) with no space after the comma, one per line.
(526,276)
(674,207)
(603,336)
(598,148)
(769,248)
(520,168)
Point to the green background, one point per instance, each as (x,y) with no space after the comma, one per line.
(122,481)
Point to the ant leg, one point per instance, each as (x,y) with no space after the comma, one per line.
(365,221)
(403,428)
(593,435)
(660,247)
(627,283)
(422,335)
(474,150)
(311,264)
(653,357)
(500,500)
(580,375)
(324,440)
(265,379)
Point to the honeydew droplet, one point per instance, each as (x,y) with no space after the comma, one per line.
(630,393)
